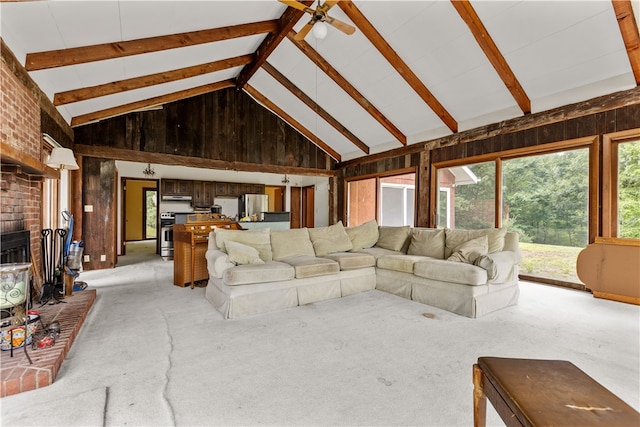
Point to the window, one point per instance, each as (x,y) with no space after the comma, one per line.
(545,199)
(544,195)
(397,200)
(467,196)
(621,198)
(388,199)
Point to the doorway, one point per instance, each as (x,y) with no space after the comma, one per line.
(302,207)
(140,222)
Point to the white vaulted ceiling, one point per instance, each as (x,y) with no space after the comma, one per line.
(559,52)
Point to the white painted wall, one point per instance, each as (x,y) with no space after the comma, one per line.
(134,170)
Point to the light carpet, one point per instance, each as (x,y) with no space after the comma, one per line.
(151,353)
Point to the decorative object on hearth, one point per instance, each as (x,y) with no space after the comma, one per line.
(149,172)
(285,180)
(17,325)
(319,19)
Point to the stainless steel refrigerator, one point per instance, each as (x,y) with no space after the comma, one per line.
(249,204)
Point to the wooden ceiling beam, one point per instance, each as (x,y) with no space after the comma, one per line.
(286,22)
(82,94)
(124,154)
(100,52)
(288,84)
(493,54)
(347,87)
(151,102)
(396,62)
(292,122)
(629,30)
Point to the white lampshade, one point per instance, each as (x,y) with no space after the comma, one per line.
(320,30)
(62,158)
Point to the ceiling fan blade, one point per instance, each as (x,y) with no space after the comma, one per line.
(342,26)
(297,5)
(304,31)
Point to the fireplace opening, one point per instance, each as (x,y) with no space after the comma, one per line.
(15,247)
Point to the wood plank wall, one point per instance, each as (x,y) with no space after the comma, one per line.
(99,226)
(226,125)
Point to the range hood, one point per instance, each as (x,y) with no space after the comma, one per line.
(176,198)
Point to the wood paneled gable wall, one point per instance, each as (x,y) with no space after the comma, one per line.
(227,125)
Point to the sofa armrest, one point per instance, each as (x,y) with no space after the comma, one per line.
(499,265)
(217,262)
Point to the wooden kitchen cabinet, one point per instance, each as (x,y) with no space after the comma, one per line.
(204,193)
(221,189)
(233,189)
(176,187)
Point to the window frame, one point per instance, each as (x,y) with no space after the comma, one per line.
(378,177)
(610,144)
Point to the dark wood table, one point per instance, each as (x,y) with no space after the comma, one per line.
(529,392)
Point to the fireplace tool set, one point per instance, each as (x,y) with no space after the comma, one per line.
(53,261)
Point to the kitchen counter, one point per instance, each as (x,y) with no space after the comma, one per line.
(258,225)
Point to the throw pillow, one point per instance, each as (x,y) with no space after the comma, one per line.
(469,251)
(456,237)
(290,243)
(488,264)
(258,239)
(363,236)
(427,242)
(330,239)
(242,254)
(392,238)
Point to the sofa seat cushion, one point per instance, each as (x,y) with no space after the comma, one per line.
(352,260)
(270,271)
(452,272)
(399,262)
(310,266)
(378,252)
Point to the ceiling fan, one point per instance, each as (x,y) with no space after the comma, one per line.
(319,15)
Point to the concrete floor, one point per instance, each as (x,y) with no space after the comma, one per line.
(151,353)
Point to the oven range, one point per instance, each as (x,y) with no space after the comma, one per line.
(167,219)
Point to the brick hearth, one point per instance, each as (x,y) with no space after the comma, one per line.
(17,375)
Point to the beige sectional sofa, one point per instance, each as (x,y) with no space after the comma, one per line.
(468,272)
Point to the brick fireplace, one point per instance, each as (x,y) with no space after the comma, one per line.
(20,130)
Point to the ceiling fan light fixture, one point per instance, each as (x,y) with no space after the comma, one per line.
(320,30)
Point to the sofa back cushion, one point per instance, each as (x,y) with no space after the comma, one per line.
(471,250)
(427,242)
(330,239)
(393,238)
(290,243)
(456,237)
(258,239)
(363,236)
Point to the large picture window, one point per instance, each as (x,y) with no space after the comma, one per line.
(545,196)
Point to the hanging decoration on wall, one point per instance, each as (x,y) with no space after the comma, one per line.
(149,172)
